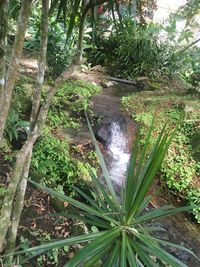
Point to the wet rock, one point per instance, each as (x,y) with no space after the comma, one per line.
(103,134)
(107,84)
(195,142)
(22,134)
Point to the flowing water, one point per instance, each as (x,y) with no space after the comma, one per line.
(118,146)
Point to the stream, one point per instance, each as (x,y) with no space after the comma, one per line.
(117,147)
(117,134)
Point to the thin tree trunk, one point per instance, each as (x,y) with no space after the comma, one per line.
(19,199)
(42,62)
(14,63)
(6,209)
(17,208)
(22,164)
(3,41)
(79,55)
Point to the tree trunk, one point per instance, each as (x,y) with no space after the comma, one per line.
(20,193)
(21,168)
(3,41)
(6,209)
(79,55)
(42,62)
(25,152)
(17,209)
(14,63)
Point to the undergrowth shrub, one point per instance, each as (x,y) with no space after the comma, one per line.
(59,53)
(52,162)
(72,98)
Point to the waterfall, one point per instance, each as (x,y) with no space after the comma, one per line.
(119,157)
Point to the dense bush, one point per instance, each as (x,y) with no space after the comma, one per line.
(59,53)
(190,71)
(132,50)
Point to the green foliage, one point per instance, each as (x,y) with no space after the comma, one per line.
(72,97)
(190,71)
(52,162)
(180,168)
(13,125)
(59,53)
(193,197)
(122,239)
(133,50)
(189,10)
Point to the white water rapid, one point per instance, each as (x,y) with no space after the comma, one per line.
(120,158)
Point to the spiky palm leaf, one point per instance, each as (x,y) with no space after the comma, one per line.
(124,239)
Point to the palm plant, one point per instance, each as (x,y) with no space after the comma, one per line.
(123,237)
